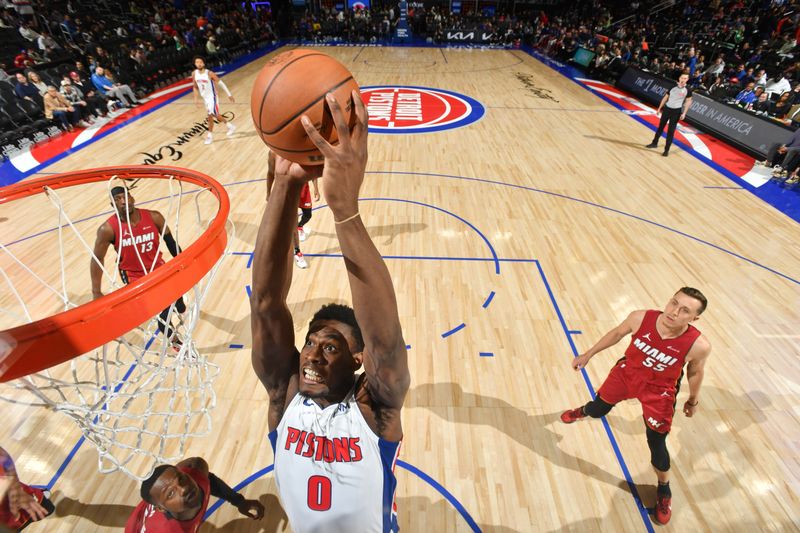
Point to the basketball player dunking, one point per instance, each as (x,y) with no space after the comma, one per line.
(336,434)
(305,208)
(204,84)
(651,371)
(136,236)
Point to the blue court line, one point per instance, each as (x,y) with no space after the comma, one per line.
(408,346)
(402,464)
(236,346)
(574,332)
(445,211)
(489,299)
(486,354)
(631,485)
(249,290)
(599,206)
(504,184)
(454,330)
(80,442)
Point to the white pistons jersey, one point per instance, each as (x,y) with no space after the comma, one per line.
(207,91)
(334,475)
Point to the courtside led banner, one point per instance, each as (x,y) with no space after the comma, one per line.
(729,122)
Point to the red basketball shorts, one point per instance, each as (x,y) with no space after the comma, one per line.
(658,401)
(305,197)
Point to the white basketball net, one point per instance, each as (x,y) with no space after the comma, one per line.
(140,397)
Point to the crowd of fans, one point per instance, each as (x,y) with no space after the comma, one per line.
(66,64)
(741,52)
(74,61)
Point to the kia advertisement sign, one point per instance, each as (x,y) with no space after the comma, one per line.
(475,36)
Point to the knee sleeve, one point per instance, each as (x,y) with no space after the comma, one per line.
(659,456)
(306,216)
(597,408)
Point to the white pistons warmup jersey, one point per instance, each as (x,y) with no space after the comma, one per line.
(334,475)
(207,91)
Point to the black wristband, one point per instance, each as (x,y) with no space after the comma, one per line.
(221,490)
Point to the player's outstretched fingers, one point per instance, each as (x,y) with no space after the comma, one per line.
(362,116)
(319,141)
(338,120)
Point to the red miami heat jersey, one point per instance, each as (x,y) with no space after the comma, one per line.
(656,360)
(137,246)
(147,519)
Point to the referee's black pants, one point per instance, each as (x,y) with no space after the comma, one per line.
(671,116)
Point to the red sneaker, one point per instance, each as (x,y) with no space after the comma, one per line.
(663,508)
(568,417)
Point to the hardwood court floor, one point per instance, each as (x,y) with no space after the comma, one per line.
(487,428)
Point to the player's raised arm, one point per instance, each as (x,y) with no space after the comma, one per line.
(274,355)
(628,326)
(104,239)
(374,302)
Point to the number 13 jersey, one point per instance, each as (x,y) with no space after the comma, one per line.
(334,475)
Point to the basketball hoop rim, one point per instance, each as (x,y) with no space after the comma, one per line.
(58,338)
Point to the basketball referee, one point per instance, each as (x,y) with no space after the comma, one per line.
(673,107)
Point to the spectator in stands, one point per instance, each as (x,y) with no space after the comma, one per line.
(69,26)
(57,107)
(783,105)
(23,59)
(761,77)
(717,68)
(25,90)
(779,86)
(211,45)
(114,90)
(746,95)
(27,33)
(691,62)
(98,102)
(45,41)
(741,74)
(75,98)
(5,76)
(761,105)
(718,90)
(36,81)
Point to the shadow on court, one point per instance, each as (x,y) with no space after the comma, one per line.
(528,430)
(418,513)
(101,514)
(274,521)
(631,144)
(376,232)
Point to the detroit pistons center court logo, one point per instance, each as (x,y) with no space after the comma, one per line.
(408,109)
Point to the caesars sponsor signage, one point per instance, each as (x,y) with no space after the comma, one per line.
(171,152)
(736,125)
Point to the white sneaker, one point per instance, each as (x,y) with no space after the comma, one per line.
(299,260)
(777,170)
(83,124)
(231,129)
(301,234)
(209,139)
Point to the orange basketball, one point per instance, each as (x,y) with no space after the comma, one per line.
(294,84)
